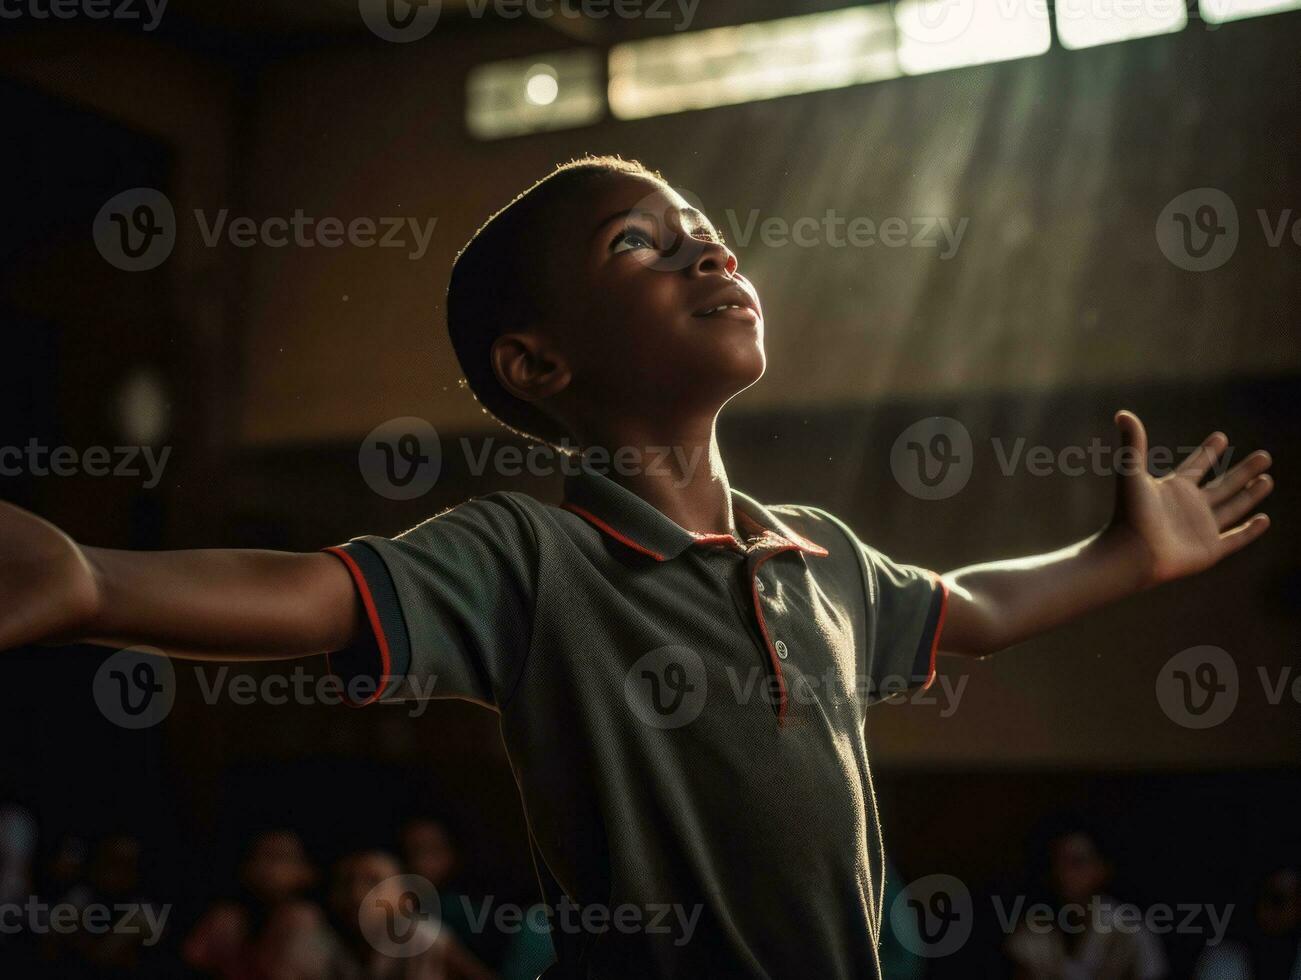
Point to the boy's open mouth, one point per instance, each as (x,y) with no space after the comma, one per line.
(733,302)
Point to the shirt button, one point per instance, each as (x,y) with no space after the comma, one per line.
(758,584)
(782,652)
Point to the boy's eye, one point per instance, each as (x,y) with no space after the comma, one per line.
(633,237)
(637,239)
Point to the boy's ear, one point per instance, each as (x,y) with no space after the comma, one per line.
(529,367)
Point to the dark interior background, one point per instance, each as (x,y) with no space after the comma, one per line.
(1058,309)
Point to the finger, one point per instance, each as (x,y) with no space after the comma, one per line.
(1243,534)
(1227,484)
(1132,457)
(1243,502)
(1203,457)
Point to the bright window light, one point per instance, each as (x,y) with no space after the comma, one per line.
(1087,23)
(730,65)
(554,91)
(542,86)
(1223,11)
(939,34)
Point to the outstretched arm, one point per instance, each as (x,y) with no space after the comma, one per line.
(1162,529)
(197,605)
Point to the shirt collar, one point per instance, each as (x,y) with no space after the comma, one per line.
(630,520)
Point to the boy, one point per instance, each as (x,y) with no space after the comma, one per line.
(681,673)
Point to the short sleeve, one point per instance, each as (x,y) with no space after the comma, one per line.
(906,606)
(449,604)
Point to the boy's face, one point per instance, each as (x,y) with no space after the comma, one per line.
(639,275)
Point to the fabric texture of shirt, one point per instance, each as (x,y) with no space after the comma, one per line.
(683,713)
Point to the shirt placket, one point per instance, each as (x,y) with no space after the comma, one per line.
(767,548)
(748,590)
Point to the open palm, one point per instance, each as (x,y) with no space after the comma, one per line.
(1184,526)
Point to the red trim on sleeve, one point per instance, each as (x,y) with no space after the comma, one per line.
(623,539)
(372,614)
(939,628)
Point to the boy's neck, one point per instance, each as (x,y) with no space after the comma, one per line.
(682,476)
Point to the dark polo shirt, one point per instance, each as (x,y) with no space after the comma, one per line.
(683,714)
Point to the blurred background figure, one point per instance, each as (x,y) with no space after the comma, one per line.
(65,865)
(1271,950)
(270,929)
(377,919)
(113,882)
(429,852)
(899,935)
(1083,941)
(17,852)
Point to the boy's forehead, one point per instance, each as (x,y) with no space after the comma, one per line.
(624,195)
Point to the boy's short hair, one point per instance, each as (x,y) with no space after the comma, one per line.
(499,283)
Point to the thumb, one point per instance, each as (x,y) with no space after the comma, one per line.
(1131,459)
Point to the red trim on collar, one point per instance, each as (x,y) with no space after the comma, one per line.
(804,544)
(725,539)
(623,539)
(787,537)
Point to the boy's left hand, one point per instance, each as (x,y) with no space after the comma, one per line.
(1178,527)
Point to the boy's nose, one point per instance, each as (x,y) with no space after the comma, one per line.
(714,257)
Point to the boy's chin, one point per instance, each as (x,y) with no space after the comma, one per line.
(733,374)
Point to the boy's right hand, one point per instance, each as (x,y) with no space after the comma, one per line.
(48,588)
